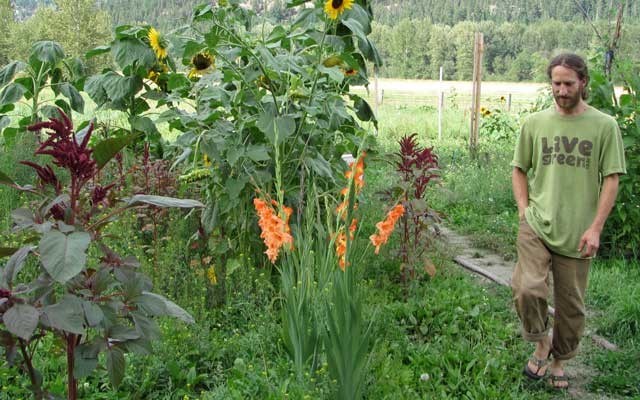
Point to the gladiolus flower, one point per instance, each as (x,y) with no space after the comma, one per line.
(358,182)
(275,228)
(385,228)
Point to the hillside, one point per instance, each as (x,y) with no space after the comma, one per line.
(167,13)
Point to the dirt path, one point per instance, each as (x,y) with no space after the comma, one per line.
(494,265)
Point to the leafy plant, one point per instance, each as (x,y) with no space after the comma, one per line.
(621,235)
(284,90)
(46,68)
(418,168)
(94,300)
(497,124)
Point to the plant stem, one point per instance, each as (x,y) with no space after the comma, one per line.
(72,383)
(37,390)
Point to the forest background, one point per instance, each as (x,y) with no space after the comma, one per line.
(414,37)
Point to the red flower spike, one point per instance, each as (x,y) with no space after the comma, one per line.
(99,193)
(46,175)
(62,146)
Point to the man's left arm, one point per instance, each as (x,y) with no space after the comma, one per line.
(590,240)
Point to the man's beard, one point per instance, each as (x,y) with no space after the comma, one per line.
(568,102)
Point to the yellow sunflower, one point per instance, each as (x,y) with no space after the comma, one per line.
(333,8)
(153,76)
(201,63)
(157,43)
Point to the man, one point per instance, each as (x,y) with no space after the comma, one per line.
(565,181)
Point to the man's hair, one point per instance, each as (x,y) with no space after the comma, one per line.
(575,63)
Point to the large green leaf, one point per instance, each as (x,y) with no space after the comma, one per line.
(170,308)
(94,86)
(129,51)
(150,304)
(15,264)
(334,73)
(11,94)
(294,3)
(92,313)
(144,124)
(86,358)
(107,149)
(319,165)
(120,88)
(96,51)
(121,333)
(363,110)
(234,187)
(9,71)
(71,93)
(276,127)
(115,365)
(64,256)
(47,51)
(4,120)
(147,327)
(67,315)
(360,14)
(161,201)
(21,320)
(257,152)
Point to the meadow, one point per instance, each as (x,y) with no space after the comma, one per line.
(200,236)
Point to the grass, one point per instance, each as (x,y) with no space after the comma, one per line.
(615,291)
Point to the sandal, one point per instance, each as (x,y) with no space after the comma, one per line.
(539,363)
(554,380)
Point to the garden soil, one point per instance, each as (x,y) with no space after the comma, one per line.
(494,265)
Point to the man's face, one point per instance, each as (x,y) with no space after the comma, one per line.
(567,87)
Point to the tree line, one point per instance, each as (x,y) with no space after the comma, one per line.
(519,35)
(513,51)
(450,12)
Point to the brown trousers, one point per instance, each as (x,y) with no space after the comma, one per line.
(530,285)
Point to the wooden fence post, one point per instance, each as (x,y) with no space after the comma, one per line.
(375,91)
(440,107)
(478,49)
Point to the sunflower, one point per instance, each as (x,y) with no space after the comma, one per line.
(201,64)
(157,43)
(153,76)
(350,72)
(333,8)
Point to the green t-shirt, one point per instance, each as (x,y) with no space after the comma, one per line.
(565,157)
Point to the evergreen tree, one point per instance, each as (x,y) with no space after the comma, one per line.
(6,25)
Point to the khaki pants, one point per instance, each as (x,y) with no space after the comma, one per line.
(530,285)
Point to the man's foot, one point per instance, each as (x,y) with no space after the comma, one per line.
(536,367)
(560,382)
(557,378)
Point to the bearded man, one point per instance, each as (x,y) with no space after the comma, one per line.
(565,180)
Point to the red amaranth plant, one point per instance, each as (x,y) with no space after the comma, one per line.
(418,167)
(92,303)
